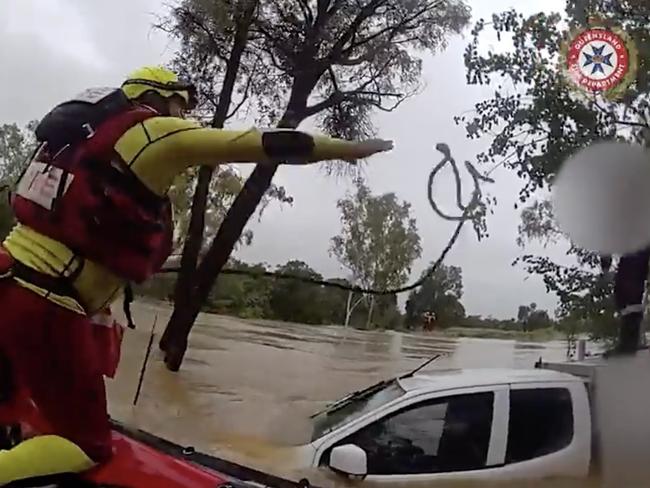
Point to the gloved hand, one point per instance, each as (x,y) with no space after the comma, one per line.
(364,149)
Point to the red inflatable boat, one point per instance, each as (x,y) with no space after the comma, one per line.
(140,459)
(144,460)
(136,464)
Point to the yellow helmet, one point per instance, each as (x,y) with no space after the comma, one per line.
(160,80)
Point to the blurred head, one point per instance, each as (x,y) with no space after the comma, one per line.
(601,198)
(161,89)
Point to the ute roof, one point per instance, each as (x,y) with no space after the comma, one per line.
(463,378)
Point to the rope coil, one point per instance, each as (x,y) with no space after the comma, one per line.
(470,212)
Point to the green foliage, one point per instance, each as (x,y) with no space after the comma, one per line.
(378,244)
(279,299)
(585,295)
(379,240)
(337,60)
(584,292)
(538,223)
(224,187)
(385,313)
(536,119)
(16,145)
(244,296)
(356,57)
(478,322)
(532,319)
(294,301)
(439,294)
(350,59)
(258,297)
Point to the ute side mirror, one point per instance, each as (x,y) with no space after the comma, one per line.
(349,460)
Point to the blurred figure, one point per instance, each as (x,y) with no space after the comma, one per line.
(629,292)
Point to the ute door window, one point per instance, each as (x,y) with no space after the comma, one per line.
(442,435)
(541,422)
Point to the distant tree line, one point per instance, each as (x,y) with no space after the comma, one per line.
(284,300)
(261,297)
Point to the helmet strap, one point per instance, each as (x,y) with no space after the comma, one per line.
(155,101)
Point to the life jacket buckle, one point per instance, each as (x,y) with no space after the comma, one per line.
(89,129)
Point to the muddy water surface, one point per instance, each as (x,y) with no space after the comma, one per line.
(247,388)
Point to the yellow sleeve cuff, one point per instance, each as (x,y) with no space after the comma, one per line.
(161,148)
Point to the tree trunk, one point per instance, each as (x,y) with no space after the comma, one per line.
(186,284)
(348,309)
(182,319)
(370,310)
(238,215)
(193,242)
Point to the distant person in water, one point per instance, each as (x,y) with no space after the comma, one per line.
(93,215)
(429,320)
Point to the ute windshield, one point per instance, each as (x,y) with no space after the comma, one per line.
(355,406)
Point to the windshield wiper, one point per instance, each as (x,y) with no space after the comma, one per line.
(372,389)
(353,397)
(419,368)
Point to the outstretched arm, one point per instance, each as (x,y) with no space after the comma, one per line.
(162,147)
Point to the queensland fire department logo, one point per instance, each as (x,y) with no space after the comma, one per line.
(600,60)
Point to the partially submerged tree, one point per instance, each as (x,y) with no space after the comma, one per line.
(378,242)
(337,60)
(212,57)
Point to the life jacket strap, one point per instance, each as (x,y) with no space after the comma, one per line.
(128,300)
(59,285)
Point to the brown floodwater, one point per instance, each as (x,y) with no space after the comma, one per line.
(247,387)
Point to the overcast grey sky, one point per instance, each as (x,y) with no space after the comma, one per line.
(52,49)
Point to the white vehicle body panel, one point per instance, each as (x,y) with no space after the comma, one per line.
(571,461)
